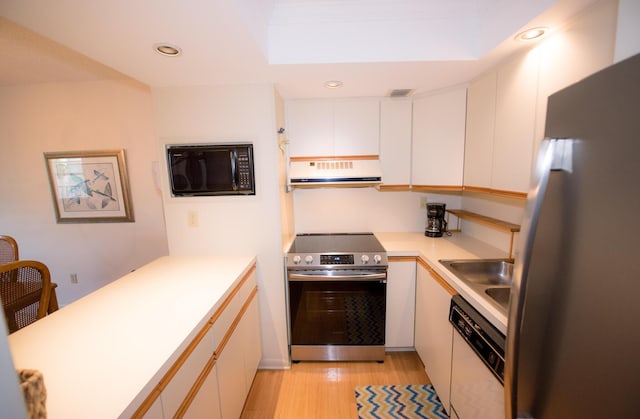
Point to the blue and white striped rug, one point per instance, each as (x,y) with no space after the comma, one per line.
(399,401)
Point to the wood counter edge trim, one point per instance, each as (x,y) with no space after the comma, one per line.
(195,388)
(436,276)
(175,367)
(402,258)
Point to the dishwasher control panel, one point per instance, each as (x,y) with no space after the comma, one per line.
(483,338)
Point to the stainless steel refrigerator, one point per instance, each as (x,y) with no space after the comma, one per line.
(573,339)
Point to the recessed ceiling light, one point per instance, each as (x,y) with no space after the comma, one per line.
(531,34)
(333,84)
(167,50)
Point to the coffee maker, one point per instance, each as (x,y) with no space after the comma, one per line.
(436,225)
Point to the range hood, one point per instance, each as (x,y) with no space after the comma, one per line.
(355,171)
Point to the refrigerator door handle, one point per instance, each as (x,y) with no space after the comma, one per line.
(554,154)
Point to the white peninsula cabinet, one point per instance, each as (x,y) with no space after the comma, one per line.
(333,127)
(178,337)
(401,288)
(213,375)
(438,140)
(433,332)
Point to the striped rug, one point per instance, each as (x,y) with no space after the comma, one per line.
(399,401)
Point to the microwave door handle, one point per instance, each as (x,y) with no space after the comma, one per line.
(233,155)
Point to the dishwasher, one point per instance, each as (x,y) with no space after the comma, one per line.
(477,368)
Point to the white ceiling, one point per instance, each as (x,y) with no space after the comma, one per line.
(373,46)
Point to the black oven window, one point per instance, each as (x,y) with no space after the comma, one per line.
(337,313)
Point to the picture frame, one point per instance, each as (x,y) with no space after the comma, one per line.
(89,186)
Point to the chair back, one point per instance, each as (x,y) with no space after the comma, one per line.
(8,249)
(25,290)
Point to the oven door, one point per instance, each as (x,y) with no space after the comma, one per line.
(337,314)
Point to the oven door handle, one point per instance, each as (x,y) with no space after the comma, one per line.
(367,277)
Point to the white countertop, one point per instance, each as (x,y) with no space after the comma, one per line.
(456,246)
(108,349)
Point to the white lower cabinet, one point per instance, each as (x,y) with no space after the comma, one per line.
(433,332)
(212,377)
(206,403)
(238,362)
(177,389)
(155,411)
(401,285)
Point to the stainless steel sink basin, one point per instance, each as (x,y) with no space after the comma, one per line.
(481,271)
(500,295)
(490,278)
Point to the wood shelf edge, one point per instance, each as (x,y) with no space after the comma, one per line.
(483,219)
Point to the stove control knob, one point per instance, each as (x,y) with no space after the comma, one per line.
(365,259)
(308,259)
(377,259)
(297,259)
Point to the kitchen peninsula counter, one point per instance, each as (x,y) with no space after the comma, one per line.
(456,246)
(103,354)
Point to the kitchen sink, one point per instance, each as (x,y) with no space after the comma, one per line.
(481,271)
(490,278)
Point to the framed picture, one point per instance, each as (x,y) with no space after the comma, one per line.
(89,186)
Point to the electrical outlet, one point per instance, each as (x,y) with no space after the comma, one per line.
(423,202)
(74,278)
(192,219)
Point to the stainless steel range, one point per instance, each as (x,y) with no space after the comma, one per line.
(336,286)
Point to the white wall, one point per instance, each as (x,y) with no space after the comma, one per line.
(78,116)
(628,32)
(334,210)
(231,224)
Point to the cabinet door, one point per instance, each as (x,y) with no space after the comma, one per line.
(328,127)
(206,404)
(401,285)
(176,391)
(238,362)
(438,138)
(481,111)
(513,144)
(231,378)
(434,332)
(356,127)
(252,346)
(310,127)
(395,141)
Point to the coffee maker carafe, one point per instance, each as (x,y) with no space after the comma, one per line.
(436,224)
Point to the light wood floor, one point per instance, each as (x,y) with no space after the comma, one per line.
(326,389)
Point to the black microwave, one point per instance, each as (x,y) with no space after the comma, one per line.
(211,169)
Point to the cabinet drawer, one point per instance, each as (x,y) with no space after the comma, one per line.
(228,315)
(176,391)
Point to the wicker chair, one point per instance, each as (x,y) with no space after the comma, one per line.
(9,253)
(8,249)
(25,289)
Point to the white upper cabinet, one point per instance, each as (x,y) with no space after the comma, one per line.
(356,129)
(333,127)
(501,121)
(438,138)
(310,127)
(481,115)
(395,140)
(513,143)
